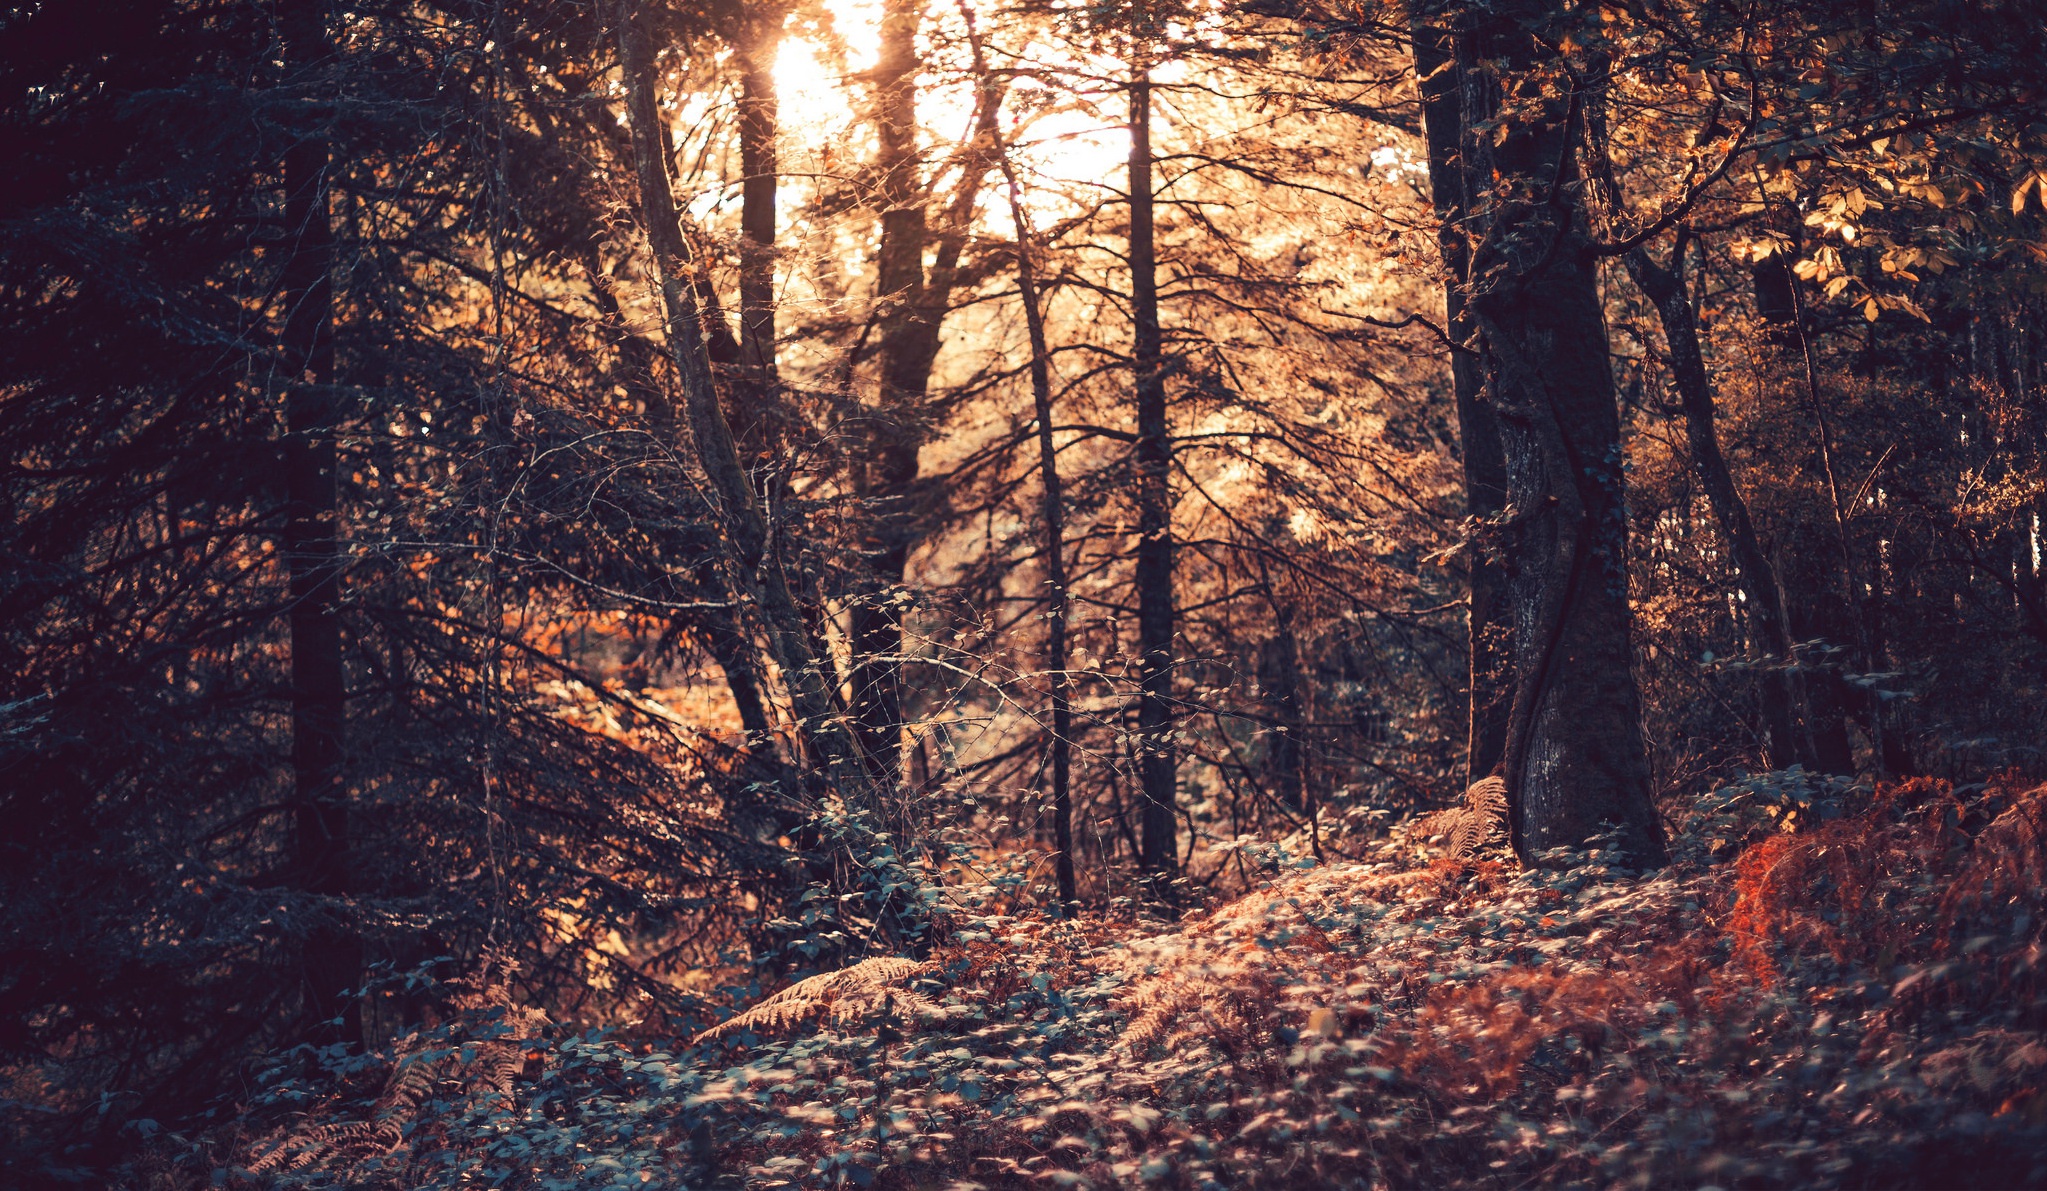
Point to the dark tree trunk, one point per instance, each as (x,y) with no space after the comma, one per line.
(1574,760)
(1054,513)
(759,127)
(1478,434)
(1771,627)
(759,118)
(891,466)
(320,815)
(1053,506)
(1156,768)
(912,310)
(1279,677)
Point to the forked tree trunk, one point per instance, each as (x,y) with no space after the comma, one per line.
(1574,760)
(320,815)
(1478,434)
(754,575)
(1155,752)
(912,310)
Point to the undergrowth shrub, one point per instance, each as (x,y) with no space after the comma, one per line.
(1846,992)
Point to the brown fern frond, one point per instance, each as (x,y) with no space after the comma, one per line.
(1484,816)
(1435,823)
(1478,822)
(846,995)
(422,1064)
(1219,1005)
(2007,862)
(321,1142)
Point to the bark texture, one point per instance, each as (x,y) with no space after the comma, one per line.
(1573,761)
(1156,759)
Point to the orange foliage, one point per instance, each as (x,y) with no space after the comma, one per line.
(1837,889)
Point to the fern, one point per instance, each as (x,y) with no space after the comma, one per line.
(1478,823)
(847,995)
(479,1068)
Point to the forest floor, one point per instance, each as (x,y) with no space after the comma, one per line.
(1825,988)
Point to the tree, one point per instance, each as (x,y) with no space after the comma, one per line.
(318,683)
(1155,711)
(1478,435)
(1573,758)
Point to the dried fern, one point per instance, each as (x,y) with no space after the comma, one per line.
(1480,821)
(847,995)
(484,1067)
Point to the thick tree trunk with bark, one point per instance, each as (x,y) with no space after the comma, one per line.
(1478,434)
(1157,771)
(320,826)
(1574,760)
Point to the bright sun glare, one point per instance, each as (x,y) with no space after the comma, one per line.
(1061,145)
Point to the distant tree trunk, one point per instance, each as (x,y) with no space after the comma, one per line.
(1856,636)
(1053,506)
(1574,759)
(1157,777)
(1478,433)
(1279,676)
(759,119)
(320,817)
(1665,288)
(912,310)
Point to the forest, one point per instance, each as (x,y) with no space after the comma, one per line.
(996,594)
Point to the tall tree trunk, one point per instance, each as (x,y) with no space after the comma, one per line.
(1574,759)
(1156,765)
(759,37)
(759,121)
(1478,434)
(911,313)
(891,467)
(755,575)
(320,818)
(1054,514)
(1053,506)
(1665,288)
